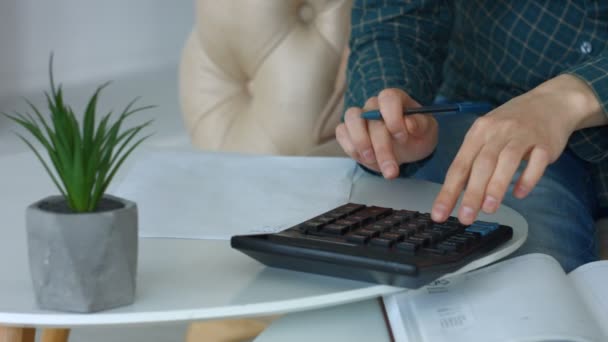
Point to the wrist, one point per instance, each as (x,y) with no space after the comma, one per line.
(581,105)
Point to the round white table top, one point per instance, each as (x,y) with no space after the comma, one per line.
(181,280)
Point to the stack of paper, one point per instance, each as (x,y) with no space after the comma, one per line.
(188,194)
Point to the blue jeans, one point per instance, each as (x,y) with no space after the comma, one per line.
(560,210)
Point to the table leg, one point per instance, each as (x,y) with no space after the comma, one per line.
(227,330)
(55,335)
(15,334)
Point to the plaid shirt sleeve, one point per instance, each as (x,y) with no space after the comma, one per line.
(591,144)
(397,44)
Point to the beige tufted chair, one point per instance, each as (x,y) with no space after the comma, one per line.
(263,76)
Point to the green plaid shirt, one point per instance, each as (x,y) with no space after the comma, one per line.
(490,50)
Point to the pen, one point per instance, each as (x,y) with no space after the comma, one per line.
(463,107)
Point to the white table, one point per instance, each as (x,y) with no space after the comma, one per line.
(186,280)
(183,280)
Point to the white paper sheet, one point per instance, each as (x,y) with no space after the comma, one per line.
(183,194)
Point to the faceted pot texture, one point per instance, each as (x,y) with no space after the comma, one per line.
(82,262)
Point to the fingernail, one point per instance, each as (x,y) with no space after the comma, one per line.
(439,212)
(520,191)
(368,155)
(389,169)
(399,136)
(466,213)
(490,203)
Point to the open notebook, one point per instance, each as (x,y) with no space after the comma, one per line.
(528,298)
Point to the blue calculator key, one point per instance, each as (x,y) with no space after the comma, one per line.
(481,227)
(486,224)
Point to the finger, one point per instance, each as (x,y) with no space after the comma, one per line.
(392,103)
(371,103)
(481,172)
(383,149)
(419,125)
(358,133)
(508,162)
(456,178)
(345,142)
(537,164)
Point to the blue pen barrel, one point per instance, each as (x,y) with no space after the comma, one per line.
(434,109)
(462,107)
(475,107)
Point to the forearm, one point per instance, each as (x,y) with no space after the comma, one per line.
(395,44)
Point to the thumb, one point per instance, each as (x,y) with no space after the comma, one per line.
(419,124)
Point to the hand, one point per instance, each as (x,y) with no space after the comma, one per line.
(383,145)
(534,127)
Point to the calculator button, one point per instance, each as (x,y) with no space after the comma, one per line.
(481,227)
(416,226)
(325,219)
(350,208)
(360,219)
(405,215)
(378,212)
(432,236)
(443,226)
(389,221)
(392,236)
(407,246)
(336,215)
(382,242)
(358,239)
(436,251)
(335,229)
(465,241)
(347,222)
(474,236)
(368,233)
(380,227)
(406,232)
(423,241)
(439,233)
(415,241)
(310,226)
(449,246)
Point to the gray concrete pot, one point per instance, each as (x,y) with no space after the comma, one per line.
(82,262)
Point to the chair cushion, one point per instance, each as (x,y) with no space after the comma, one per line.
(262,75)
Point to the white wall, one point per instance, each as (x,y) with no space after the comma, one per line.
(90,39)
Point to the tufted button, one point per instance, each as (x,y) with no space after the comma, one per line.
(249,88)
(306,13)
(586,47)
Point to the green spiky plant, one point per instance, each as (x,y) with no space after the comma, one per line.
(86,155)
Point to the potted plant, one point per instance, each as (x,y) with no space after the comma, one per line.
(82,244)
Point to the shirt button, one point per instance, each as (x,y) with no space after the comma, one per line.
(586,47)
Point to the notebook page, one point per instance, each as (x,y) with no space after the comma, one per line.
(591,281)
(184,194)
(527,298)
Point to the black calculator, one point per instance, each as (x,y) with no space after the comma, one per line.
(376,244)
